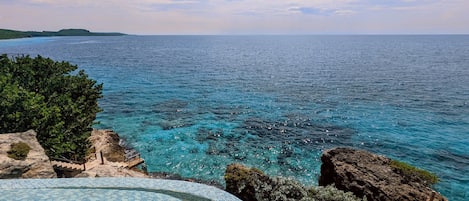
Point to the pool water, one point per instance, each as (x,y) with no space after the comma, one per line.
(109,189)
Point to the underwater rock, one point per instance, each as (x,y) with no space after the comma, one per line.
(176,123)
(170,106)
(302,132)
(205,134)
(227,113)
(173,114)
(371,175)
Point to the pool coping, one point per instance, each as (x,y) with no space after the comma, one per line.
(192,188)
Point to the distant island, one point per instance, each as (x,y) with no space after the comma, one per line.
(11,34)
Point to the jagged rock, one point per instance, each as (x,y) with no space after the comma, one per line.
(251,184)
(107,141)
(36,164)
(371,175)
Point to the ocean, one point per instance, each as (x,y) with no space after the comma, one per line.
(191,105)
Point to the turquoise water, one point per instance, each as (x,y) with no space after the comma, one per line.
(193,104)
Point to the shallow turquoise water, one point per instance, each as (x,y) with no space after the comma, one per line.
(193,104)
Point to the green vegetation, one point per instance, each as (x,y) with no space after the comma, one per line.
(19,151)
(253,184)
(10,34)
(410,170)
(330,193)
(50,97)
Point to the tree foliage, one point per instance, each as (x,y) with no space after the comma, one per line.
(52,98)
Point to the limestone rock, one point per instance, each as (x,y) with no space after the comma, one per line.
(107,141)
(252,184)
(36,164)
(370,175)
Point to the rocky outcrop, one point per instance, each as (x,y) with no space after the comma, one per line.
(251,184)
(371,175)
(107,141)
(36,164)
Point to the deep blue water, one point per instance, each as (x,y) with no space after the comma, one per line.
(194,104)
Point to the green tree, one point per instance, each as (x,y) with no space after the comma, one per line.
(52,98)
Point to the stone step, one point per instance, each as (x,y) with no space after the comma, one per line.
(65,165)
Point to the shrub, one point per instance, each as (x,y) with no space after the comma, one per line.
(410,170)
(330,193)
(52,98)
(19,151)
(252,184)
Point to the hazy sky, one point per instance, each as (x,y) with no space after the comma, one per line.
(239,16)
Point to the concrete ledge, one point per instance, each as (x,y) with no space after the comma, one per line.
(96,188)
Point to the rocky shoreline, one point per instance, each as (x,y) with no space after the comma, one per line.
(107,158)
(346,174)
(107,143)
(373,176)
(353,174)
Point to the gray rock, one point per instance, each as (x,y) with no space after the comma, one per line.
(36,164)
(252,184)
(371,175)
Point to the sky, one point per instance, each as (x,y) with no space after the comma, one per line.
(181,17)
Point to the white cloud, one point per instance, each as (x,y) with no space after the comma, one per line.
(344,12)
(239,16)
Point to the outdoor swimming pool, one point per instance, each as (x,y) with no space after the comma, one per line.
(109,189)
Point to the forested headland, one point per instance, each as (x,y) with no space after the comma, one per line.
(11,34)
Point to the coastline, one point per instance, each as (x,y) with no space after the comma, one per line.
(108,158)
(352,172)
(115,150)
(6,34)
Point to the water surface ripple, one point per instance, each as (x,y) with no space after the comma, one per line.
(193,104)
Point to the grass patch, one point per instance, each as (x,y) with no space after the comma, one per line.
(19,151)
(411,170)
